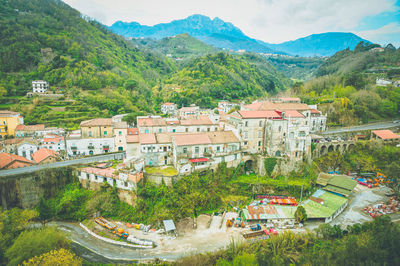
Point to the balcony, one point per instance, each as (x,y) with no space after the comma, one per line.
(74,148)
(90,147)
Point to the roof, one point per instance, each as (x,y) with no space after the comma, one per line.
(192,139)
(290,99)
(258,114)
(43,154)
(164,137)
(6,113)
(189,109)
(199,160)
(120,124)
(385,134)
(7,159)
(341,184)
(54,139)
(168,103)
(97,122)
(267,105)
(147,138)
(151,121)
(202,120)
(169,225)
(133,131)
(331,203)
(264,212)
(315,111)
(107,172)
(132,138)
(12,141)
(37,127)
(218,137)
(293,114)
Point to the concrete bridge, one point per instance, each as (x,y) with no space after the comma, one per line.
(323,148)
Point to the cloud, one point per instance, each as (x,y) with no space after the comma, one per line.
(268,20)
(387,34)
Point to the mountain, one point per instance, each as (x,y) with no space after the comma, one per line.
(179,47)
(324,44)
(225,35)
(214,32)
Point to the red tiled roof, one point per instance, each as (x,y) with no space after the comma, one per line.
(19,127)
(189,109)
(147,138)
(385,134)
(108,172)
(266,105)
(203,120)
(258,114)
(315,111)
(133,131)
(43,154)
(132,138)
(293,114)
(151,121)
(14,161)
(97,122)
(198,160)
(192,139)
(168,104)
(55,139)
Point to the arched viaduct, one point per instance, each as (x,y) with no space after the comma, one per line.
(323,148)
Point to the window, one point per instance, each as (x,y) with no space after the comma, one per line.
(146,131)
(260,123)
(259,134)
(159,130)
(173,130)
(280,128)
(246,124)
(184,150)
(259,143)
(245,135)
(296,154)
(187,129)
(90,133)
(208,129)
(165,148)
(218,148)
(196,149)
(198,129)
(120,133)
(105,133)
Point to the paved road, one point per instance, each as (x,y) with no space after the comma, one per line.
(30,169)
(372,126)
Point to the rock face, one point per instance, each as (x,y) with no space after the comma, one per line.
(25,191)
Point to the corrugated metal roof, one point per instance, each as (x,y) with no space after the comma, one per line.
(169,225)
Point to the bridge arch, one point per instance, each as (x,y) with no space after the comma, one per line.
(331,148)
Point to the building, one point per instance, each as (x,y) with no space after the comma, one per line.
(278,215)
(44,156)
(24,131)
(27,147)
(79,146)
(97,128)
(9,120)
(385,135)
(201,151)
(318,121)
(39,86)
(120,130)
(169,108)
(192,110)
(226,106)
(157,124)
(10,145)
(53,142)
(324,205)
(122,179)
(341,185)
(11,161)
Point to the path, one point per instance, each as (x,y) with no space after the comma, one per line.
(371,126)
(34,168)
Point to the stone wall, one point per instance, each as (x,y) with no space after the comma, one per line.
(26,190)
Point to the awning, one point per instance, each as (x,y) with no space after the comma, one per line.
(199,160)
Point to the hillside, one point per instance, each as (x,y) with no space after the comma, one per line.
(325,44)
(300,68)
(361,59)
(179,47)
(210,78)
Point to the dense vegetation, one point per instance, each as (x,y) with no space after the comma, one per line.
(346,86)
(371,243)
(300,68)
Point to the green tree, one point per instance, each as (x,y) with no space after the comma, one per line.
(34,243)
(58,257)
(300,214)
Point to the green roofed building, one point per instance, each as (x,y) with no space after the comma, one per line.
(324,205)
(339,184)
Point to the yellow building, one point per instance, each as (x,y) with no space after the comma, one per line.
(9,120)
(97,128)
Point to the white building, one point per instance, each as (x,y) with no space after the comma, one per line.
(226,106)
(169,108)
(39,86)
(78,146)
(157,124)
(192,110)
(120,130)
(26,148)
(53,142)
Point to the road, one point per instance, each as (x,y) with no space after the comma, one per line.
(371,126)
(34,168)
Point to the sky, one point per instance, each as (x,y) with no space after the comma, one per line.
(272,21)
